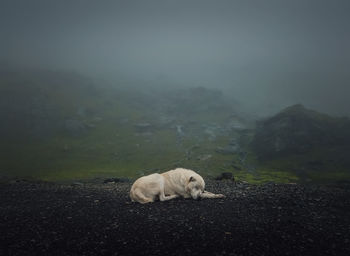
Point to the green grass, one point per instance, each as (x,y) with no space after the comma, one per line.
(329,177)
(114,149)
(264,176)
(98,155)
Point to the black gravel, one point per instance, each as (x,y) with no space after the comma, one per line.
(99,219)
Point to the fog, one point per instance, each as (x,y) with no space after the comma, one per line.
(267,54)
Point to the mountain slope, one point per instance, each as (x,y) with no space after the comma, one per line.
(59,125)
(311,144)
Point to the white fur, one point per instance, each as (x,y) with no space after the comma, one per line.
(169,185)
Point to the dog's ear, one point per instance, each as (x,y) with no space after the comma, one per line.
(192,179)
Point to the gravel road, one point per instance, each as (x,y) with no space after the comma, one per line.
(38,218)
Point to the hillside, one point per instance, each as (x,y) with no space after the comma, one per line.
(59,125)
(313,145)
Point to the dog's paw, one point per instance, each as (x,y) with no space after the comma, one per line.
(220,196)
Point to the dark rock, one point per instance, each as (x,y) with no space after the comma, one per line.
(225,176)
(19,180)
(77,184)
(116,180)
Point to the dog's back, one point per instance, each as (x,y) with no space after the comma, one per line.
(146,188)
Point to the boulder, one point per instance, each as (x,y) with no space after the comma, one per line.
(225,176)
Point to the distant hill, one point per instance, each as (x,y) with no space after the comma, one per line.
(298,130)
(35,104)
(303,140)
(61,125)
(58,125)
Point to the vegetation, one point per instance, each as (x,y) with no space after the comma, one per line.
(60,126)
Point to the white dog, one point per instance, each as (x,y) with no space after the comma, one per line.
(170,185)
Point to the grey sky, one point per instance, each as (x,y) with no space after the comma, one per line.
(268,53)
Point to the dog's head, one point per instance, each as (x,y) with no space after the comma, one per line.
(195,186)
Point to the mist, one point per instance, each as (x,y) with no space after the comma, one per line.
(266,54)
(117,116)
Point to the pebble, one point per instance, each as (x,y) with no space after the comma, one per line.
(253,222)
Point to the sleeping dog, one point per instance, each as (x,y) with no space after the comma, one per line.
(169,185)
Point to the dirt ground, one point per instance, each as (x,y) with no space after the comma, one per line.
(38,218)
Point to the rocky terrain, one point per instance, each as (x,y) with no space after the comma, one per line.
(313,145)
(297,129)
(59,125)
(38,218)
